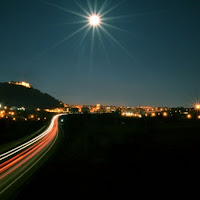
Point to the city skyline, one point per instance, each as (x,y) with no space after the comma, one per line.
(158,64)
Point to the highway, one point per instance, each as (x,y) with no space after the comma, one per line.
(20,161)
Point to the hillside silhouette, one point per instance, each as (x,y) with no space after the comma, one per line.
(19,96)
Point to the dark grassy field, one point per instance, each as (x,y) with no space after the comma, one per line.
(110,156)
(13,130)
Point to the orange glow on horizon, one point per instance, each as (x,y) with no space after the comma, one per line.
(128,114)
(56,110)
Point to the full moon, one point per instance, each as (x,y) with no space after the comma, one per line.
(94,20)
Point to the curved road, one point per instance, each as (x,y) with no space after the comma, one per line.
(17,162)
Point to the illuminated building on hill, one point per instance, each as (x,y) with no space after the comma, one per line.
(24,84)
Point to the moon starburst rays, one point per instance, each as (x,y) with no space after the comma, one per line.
(83,9)
(93,19)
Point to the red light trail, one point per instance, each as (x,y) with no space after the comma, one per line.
(19,160)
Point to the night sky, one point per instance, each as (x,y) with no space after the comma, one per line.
(158,63)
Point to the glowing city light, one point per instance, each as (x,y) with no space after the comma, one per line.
(197,106)
(189,116)
(11,113)
(165,114)
(2,114)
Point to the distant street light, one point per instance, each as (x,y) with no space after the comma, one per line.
(197,106)
(189,116)
(165,114)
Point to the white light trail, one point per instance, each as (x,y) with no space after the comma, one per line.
(14,168)
(34,140)
(29,168)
